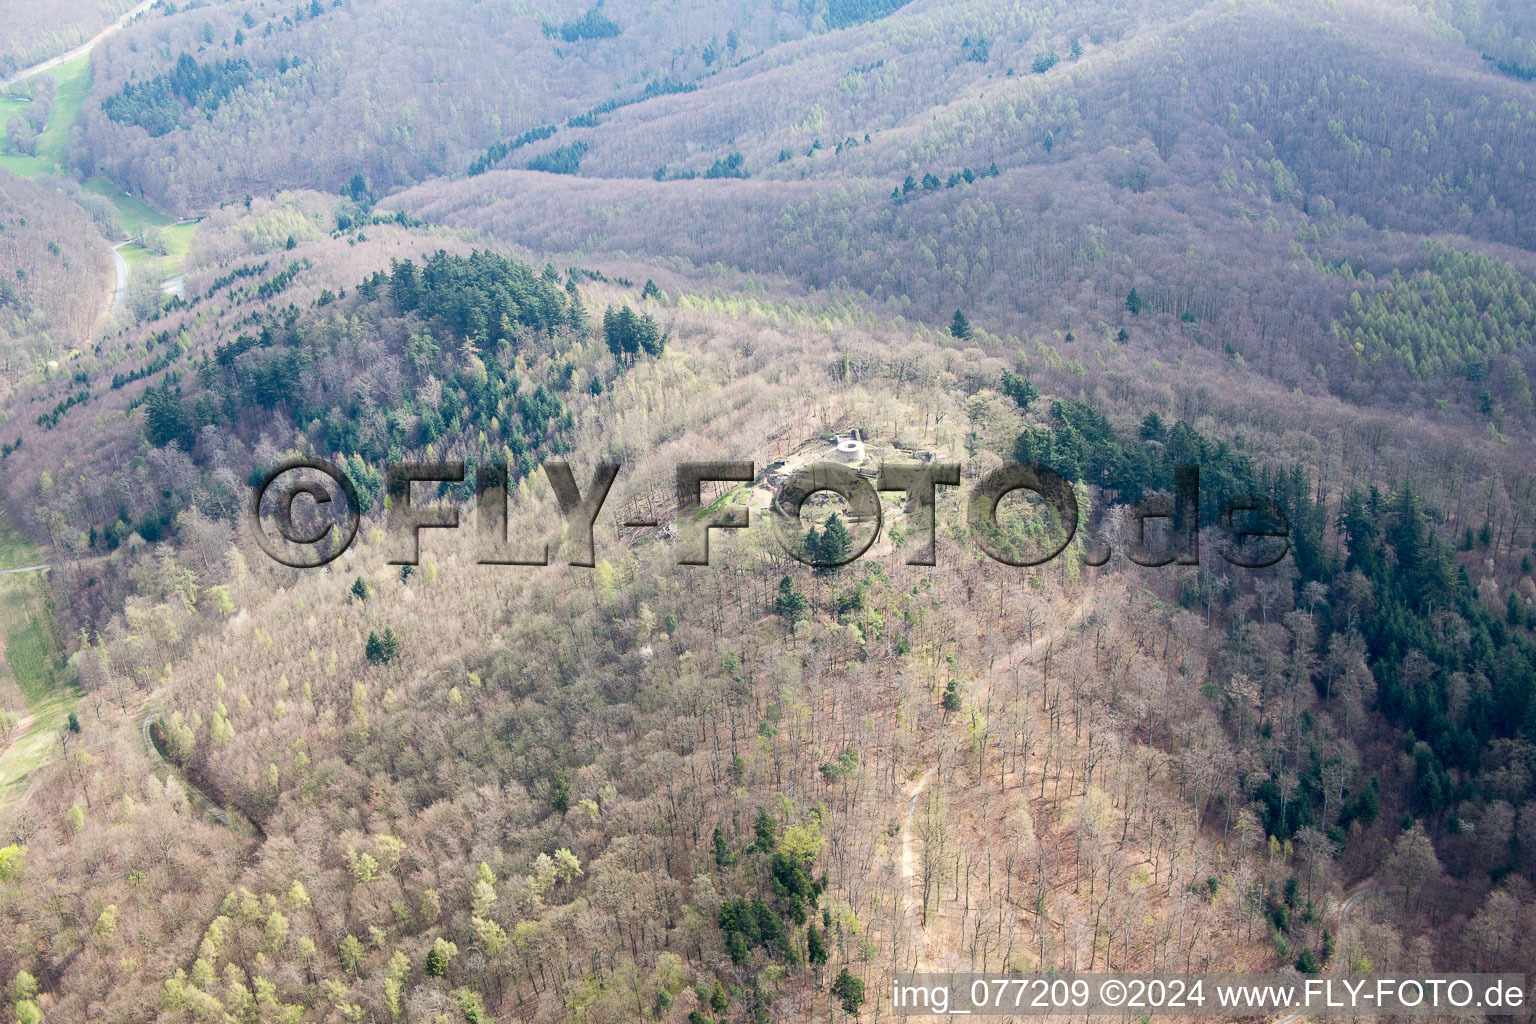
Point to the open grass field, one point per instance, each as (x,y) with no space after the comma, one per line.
(17,163)
(16,550)
(136,255)
(34,659)
(137,215)
(25,166)
(177,240)
(74,81)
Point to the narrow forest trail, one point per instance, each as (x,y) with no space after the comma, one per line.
(194,794)
(932,955)
(908,858)
(120,286)
(1347,908)
(910,914)
(43,566)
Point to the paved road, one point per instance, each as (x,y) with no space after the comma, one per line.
(85,47)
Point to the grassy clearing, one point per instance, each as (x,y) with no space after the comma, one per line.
(25,166)
(137,215)
(35,746)
(135,255)
(74,81)
(18,163)
(35,660)
(16,550)
(141,219)
(31,650)
(177,239)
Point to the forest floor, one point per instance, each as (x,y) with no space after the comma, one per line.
(940,941)
(971,806)
(33,659)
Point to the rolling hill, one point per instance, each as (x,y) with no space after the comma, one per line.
(1289,244)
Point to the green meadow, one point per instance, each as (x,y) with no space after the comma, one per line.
(73,79)
(34,659)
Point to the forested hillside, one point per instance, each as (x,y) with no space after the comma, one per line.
(1107,195)
(37,30)
(252,98)
(766,784)
(1288,244)
(767,788)
(1504,31)
(57,281)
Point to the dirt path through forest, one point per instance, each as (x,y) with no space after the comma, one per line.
(909,870)
(930,958)
(120,285)
(1363,890)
